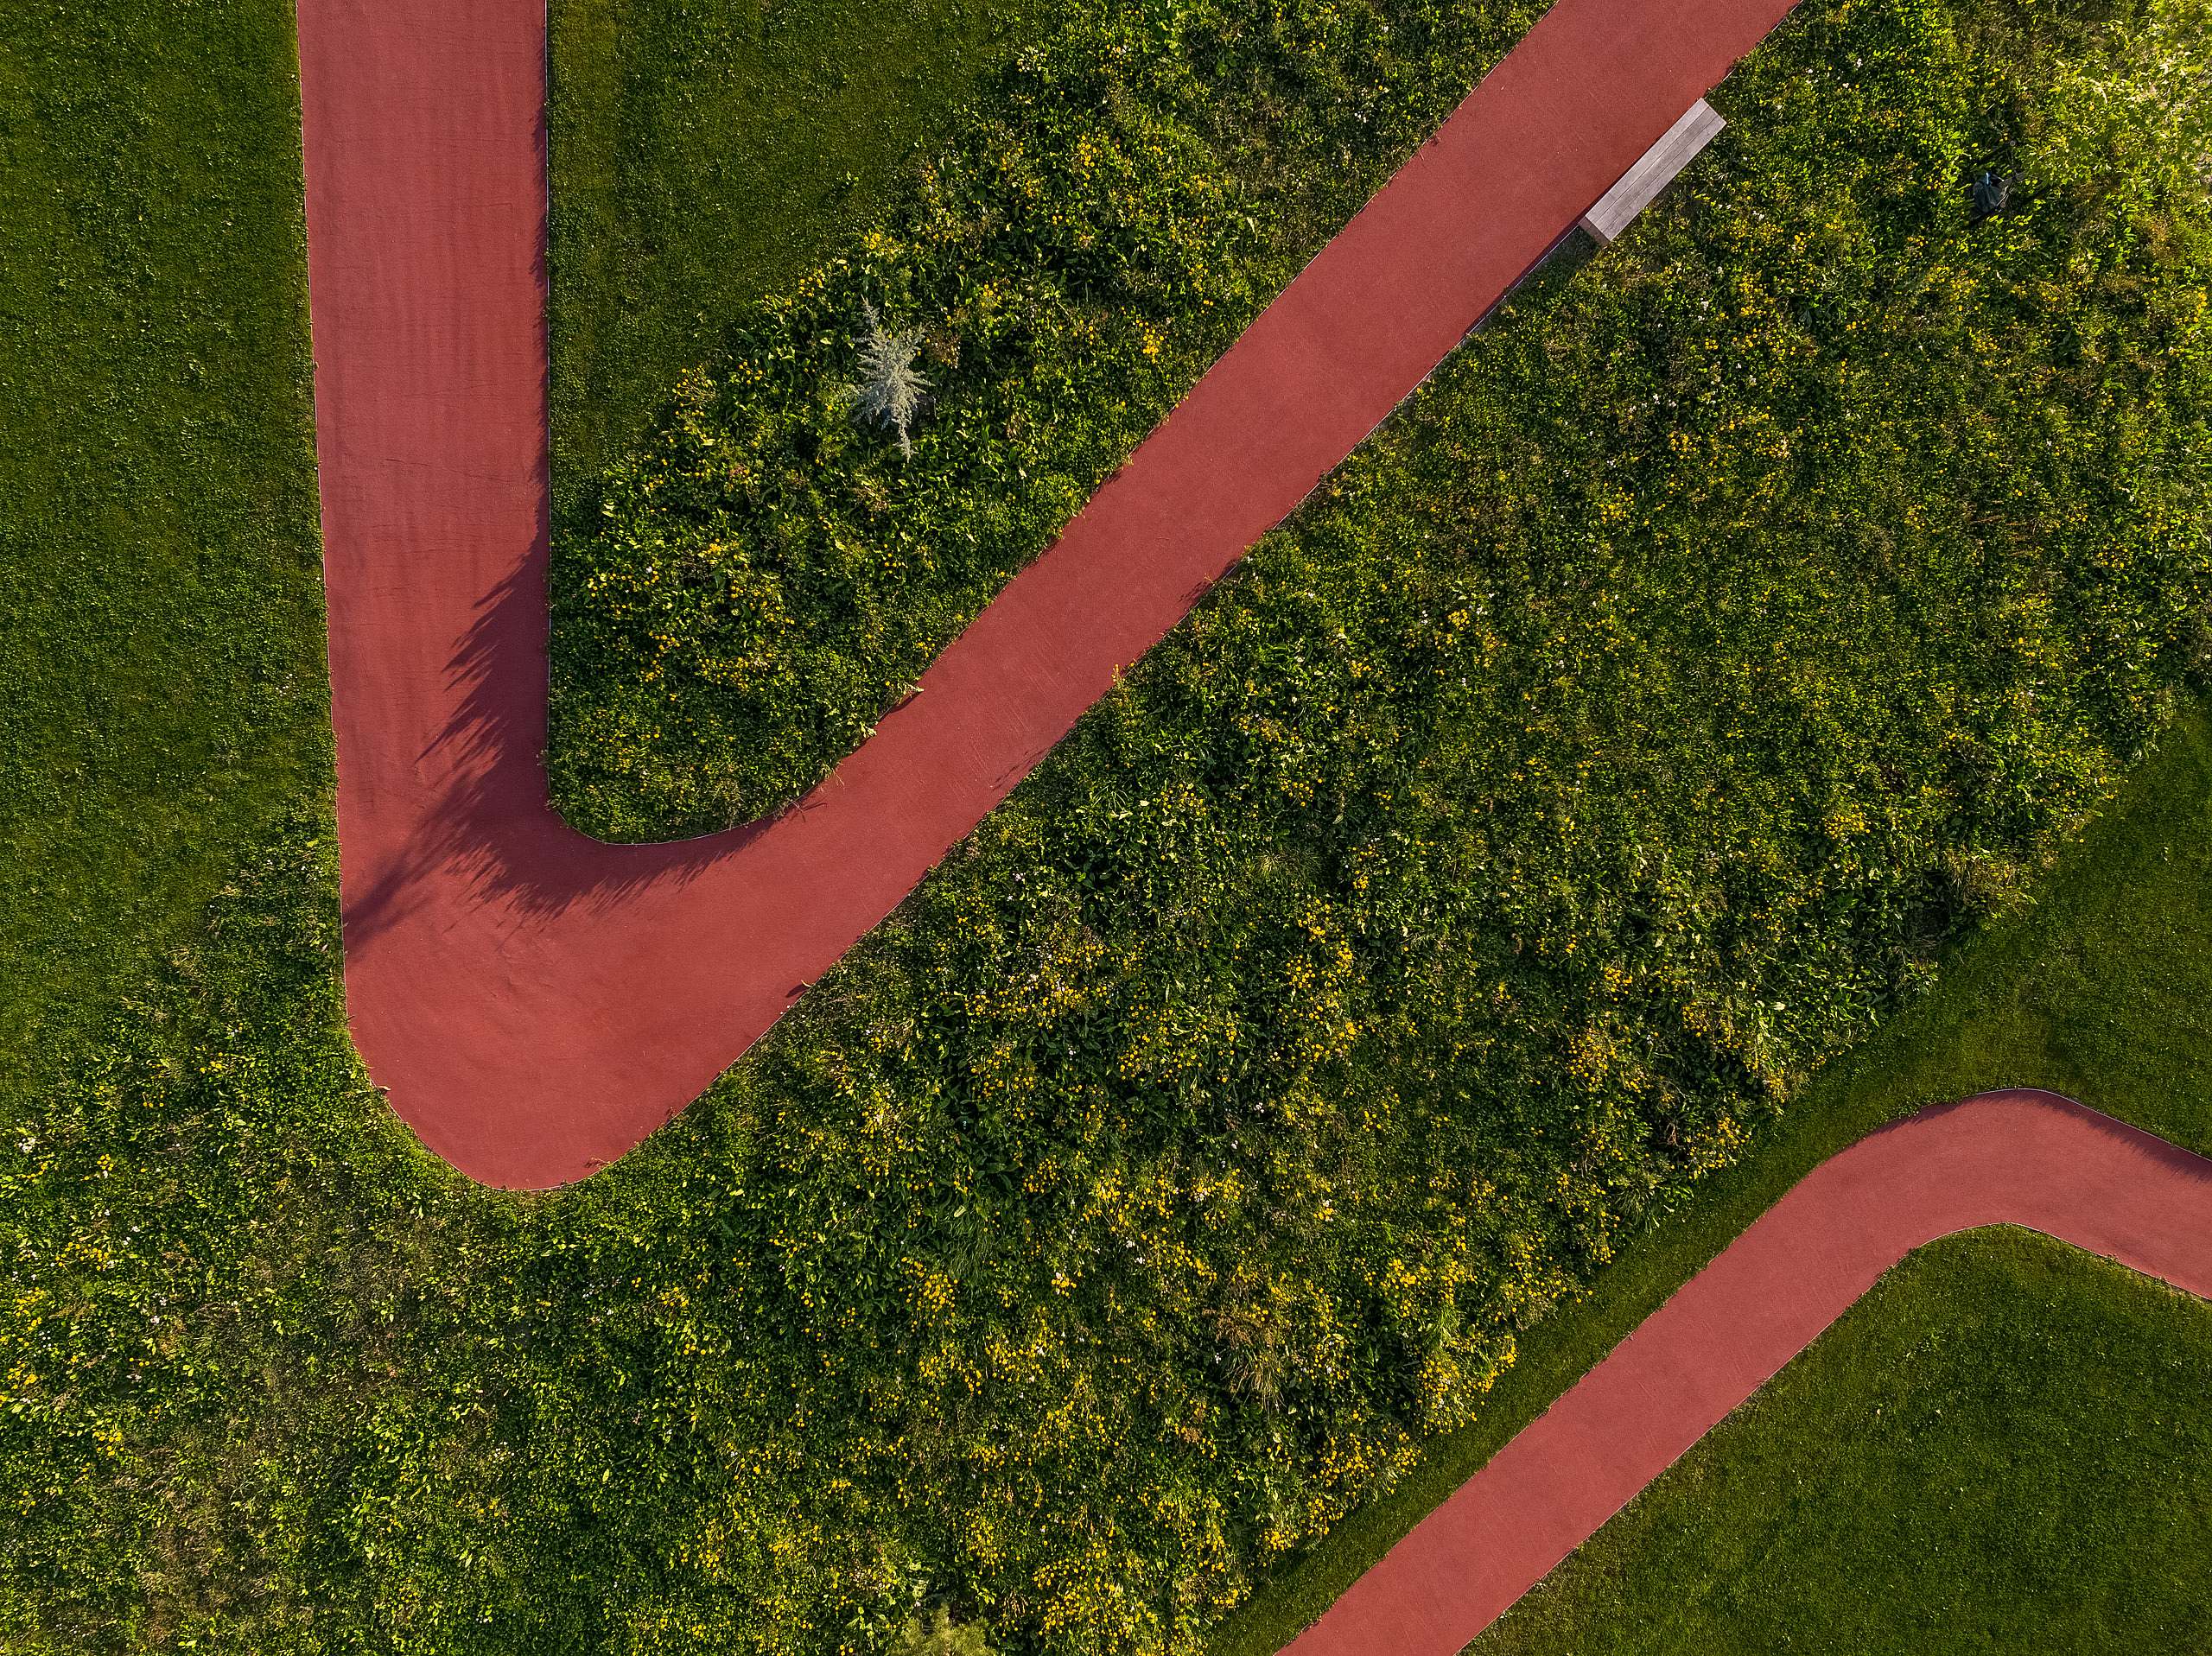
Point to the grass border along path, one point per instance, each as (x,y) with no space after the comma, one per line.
(2028,1158)
(535,1003)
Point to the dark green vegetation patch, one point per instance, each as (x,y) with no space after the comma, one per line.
(738,597)
(1453,898)
(2006,1447)
(703,155)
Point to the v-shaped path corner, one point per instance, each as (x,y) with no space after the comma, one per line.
(535,1002)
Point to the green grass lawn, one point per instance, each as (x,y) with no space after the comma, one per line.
(2005,1448)
(162,689)
(2103,990)
(1118,1214)
(702,155)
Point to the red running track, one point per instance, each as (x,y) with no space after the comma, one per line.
(535,1002)
(2029,1158)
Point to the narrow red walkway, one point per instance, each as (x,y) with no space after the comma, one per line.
(2027,1159)
(535,1002)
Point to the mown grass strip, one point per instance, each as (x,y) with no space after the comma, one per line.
(161,687)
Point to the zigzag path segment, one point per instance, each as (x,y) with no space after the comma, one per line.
(2024,1157)
(534,1002)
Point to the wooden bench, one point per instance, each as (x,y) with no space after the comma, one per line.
(1699,124)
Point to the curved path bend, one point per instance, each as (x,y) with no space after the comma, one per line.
(534,1002)
(2027,1159)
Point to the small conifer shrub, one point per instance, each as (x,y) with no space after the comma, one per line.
(890,388)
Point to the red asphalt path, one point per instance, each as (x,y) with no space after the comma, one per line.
(536,1002)
(2028,1158)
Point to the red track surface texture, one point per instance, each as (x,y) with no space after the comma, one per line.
(2027,1159)
(536,1002)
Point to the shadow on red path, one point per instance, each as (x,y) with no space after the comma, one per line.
(2027,1159)
(535,1002)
